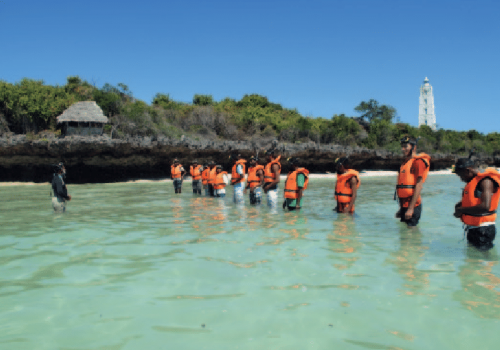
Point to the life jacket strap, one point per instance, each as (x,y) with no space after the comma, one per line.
(488,213)
(405,186)
(343,194)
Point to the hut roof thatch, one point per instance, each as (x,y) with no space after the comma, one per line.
(87,111)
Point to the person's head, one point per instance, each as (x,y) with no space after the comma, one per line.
(408,146)
(176,161)
(271,154)
(60,168)
(341,165)
(218,169)
(236,157)
(205,165)
(466,169)
(294,162)
(253,161)
(211,164)
(195,163)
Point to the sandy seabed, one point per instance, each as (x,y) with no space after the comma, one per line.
(283,177)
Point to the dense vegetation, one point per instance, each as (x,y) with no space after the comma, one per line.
(30,106)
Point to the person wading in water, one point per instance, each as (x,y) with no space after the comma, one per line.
(255,180)
(59,191)
(195,171)
(177,173)
(238,178)
(479,203)
(346,187)
(412,175)
(272,172)
(295,184)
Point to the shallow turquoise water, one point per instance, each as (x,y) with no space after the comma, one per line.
(133,266)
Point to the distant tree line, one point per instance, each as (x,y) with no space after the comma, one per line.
(31,106)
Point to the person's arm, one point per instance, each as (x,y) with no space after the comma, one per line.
(300,186)
(183,172)
(418,167)
(414,198)
(354,186)
(260,174)
(486,187)
(61,190)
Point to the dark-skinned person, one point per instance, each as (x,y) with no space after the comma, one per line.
(255,181)
(59,191)
(195,171)
(272,172)
(177,173)
(411,177)
(238,177)
(295,184)
(221,180)
(211,178)
(346,187)
(479,203)
(204,178)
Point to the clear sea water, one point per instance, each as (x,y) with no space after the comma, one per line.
(134,266)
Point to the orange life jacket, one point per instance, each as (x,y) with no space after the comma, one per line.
(291,188)
(176,171)
(469,199)
(343,193)
(219,181)
(235,177)
(204,176)
(252,177)
(268,173)
(407,181)
(211,176)
(195,172)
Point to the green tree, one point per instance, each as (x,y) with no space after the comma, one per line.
(203,100)
(372,111)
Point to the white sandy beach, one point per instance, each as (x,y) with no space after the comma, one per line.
(374,173)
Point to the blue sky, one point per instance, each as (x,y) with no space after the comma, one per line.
(321,57)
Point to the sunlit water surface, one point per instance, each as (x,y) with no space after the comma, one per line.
(133,266)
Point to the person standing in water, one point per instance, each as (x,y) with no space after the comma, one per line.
(195,171)
(204,178)
(272,172)
(479,203)
(211,178)
(255,180)
(412,175)
(346,187)
(177,173)
(221,180)
(295,184)
(59,191)
(238,178)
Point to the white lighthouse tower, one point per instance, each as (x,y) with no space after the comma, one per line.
(426,114)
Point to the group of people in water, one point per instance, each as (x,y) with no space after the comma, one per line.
(477,209)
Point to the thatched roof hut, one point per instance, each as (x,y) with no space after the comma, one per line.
(83,118)
(86,112)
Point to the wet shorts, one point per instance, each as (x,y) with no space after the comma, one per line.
(197,185)
(255,196)
(177,184)
(58,204)
(417,211)
(482,237)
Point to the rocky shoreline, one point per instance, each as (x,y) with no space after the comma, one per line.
(99,159)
